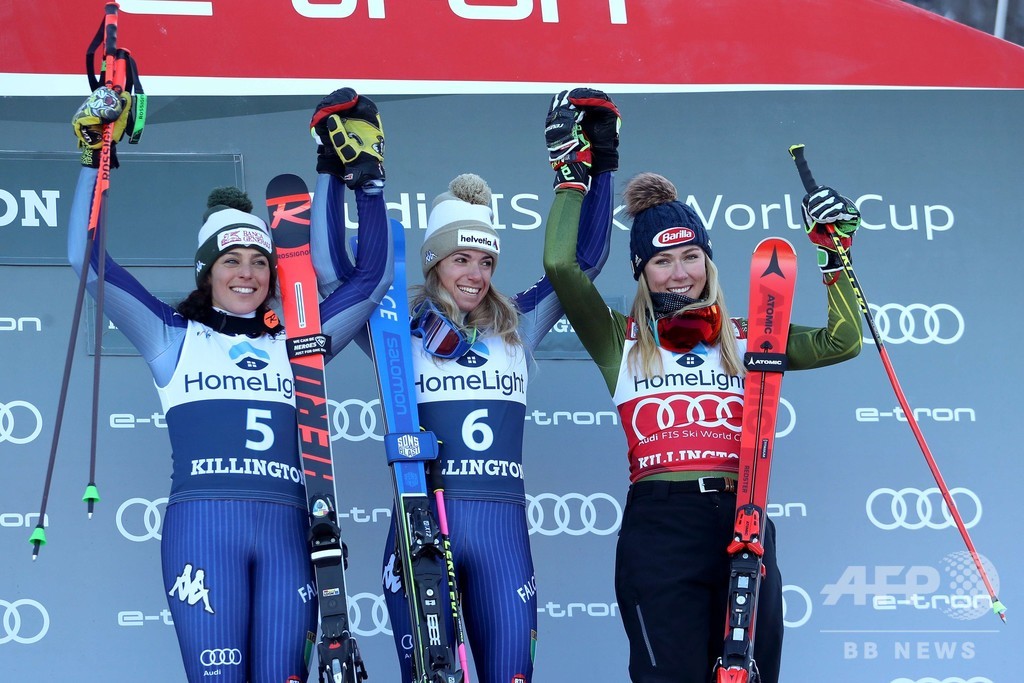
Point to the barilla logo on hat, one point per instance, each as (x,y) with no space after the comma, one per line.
(477,239)
(250,236)
(672,237)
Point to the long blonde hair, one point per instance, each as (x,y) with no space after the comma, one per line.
(645,357)
(496,314)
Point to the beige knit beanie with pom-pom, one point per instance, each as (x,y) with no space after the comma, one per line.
(460,219)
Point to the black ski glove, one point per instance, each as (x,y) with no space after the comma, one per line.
(349,128)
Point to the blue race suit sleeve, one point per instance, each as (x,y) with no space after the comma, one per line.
(355,288)
(152,326)
(539,307)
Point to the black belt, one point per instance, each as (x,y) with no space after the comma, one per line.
(662,487)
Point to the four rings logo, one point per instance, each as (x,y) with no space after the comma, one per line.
(913,509)
(573,513)
(356,420)
(223,656)
(796,606)
(368,615)
(150,519)
(28,631)
(917,323)
(706,410)
(28,425)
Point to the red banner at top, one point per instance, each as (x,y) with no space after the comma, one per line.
(278,46)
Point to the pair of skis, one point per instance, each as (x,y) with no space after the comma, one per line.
(423,549)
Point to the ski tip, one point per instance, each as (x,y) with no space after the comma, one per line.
(793,149)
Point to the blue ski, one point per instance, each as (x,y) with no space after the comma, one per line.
(422,552)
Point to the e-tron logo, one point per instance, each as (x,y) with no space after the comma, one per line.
(796,606)
(221,656)
(18,631)
(356,420)
(910,508)
(917,323)
(144,525)
(368,615)
(574,514)
(26,430)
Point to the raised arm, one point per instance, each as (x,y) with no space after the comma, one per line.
(352,155)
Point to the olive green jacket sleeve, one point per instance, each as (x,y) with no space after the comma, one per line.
(601,330)
(839,340)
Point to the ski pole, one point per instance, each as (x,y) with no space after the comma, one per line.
(453,589)
(797,152)
(114,70)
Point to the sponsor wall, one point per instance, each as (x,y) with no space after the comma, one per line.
(878,587)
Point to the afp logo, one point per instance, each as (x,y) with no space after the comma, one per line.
(673,237)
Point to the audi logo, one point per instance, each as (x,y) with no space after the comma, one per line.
(368,615)
(7,426)
(698,411)
(913,508)
(223,656)
(13,622)
(151,519)
(952,679)
(356,420)
(917,323)
(705,410)
(575,514)
(802,600)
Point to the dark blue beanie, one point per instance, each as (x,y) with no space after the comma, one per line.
(665,226)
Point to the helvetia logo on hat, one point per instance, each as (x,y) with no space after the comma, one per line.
(673,236)
(477,239)
(238,236)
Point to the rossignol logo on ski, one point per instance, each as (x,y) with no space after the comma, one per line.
(305,346)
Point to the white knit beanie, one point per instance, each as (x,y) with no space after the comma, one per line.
(460,219)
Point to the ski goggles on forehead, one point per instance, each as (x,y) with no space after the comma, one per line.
(440,337)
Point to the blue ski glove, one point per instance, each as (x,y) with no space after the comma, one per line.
(351,134)
(825,208)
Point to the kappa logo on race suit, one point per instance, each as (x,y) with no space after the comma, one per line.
(917,323)
(27,427)
(911,508)
(192,589)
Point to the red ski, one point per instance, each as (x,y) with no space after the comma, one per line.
(772,282)
(289,203)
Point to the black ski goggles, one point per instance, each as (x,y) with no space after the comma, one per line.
(440,337)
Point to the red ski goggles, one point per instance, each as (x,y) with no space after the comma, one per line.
(440,337)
